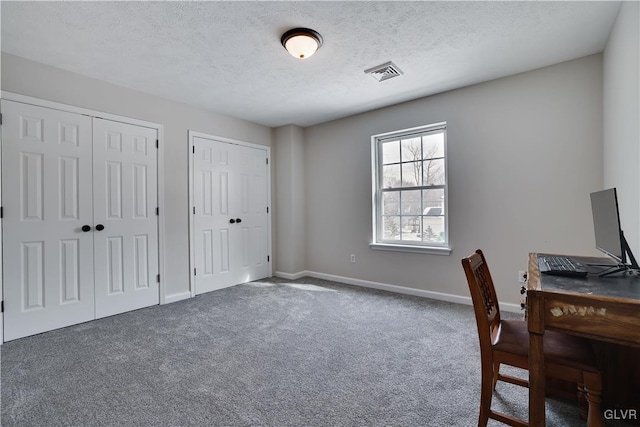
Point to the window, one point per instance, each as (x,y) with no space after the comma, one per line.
(409,171)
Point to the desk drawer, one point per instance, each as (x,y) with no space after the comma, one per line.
(611,320)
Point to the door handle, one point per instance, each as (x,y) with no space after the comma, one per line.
(232,221)
(86,228)
(238,220)
(99,227)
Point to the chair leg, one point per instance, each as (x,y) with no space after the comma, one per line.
(496,373)
(593,388)
(486,394)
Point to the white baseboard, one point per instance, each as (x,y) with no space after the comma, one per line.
(291,276)
(441,296)
(177,297)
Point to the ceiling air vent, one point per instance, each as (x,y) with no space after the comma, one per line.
(385,71)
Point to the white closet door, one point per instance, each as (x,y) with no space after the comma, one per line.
(229,184)
(125,201)
(46,187)
(250,205)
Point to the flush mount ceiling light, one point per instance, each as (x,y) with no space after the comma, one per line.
(301,42)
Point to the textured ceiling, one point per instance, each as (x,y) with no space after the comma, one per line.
(227,57)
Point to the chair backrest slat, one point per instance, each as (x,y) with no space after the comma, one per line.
(483,296)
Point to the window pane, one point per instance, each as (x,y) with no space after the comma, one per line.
(411,202)
(391,152)
(433,145)
(433,202)
(410,187)
(391,176)
(411,174)
(391,203)
(411,228)
(433,172)
(433,229)
(391,227)
(411,149)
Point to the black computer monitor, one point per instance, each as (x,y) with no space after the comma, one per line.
(606,225)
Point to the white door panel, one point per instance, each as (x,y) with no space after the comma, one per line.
(212,236)
(125,201)
(48,259)
(252,208)
(229,184)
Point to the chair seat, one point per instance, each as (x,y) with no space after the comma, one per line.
(561,349)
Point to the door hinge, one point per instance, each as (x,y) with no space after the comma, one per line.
(194,210)
(158,278)
(267,160)
(1,306)
(157,143)
(157,211)
(1,212)
(194,149)
(267,209)
(268,258)
(194,272)
(0,119)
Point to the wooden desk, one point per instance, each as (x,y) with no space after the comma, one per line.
(601,308)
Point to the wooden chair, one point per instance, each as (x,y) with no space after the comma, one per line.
(567,357)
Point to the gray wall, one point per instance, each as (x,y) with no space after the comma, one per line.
(41,81)
(621,89)
(290,200)
(524,153)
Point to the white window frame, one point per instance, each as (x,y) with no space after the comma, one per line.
(376,201)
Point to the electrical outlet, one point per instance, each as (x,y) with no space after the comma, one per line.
(522,276)
(353,258)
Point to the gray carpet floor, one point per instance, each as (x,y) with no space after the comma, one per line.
(268,353)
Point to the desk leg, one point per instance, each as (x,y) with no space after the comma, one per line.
(593,385)
(535,306)
(536,380)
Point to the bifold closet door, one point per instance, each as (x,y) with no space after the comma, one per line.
(230,219)
(126,225)
(80,229)
(47,200)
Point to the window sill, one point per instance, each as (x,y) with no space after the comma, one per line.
(432,250)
